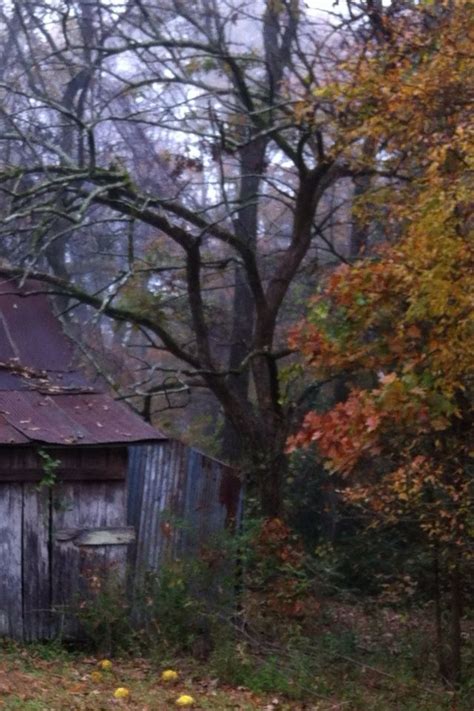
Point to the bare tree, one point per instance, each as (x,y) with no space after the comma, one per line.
(186,142)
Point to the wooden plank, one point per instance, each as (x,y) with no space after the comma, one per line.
(116,516)
(97,536)
(65,560)
(82,507)
(36,564)
(75,463)
(11,601)
(35,476)
(105,537)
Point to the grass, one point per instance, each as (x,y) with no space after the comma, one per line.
(48,678)
(354,659)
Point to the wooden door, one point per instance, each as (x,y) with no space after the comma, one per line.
(52,541)
(89,544)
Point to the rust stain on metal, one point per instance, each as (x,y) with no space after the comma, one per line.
(229,494)
(43,397)
(178,500)
(29,331)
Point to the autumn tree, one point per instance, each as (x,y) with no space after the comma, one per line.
(400,324)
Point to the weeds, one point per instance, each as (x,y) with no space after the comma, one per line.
(277,634)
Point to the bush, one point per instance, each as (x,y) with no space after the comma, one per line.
(104,612)
(174,611)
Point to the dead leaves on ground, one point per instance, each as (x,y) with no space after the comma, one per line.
(29,682)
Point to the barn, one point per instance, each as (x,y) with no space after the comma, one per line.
(63,465)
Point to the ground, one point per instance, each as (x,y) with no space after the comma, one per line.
(47,678)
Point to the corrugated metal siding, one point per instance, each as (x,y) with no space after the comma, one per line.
(178,498)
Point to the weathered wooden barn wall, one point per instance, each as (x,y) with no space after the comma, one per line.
(178,498)
(52,539)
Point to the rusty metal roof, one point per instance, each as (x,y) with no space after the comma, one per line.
(43,397)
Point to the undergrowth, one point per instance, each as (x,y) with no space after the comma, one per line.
(275,630)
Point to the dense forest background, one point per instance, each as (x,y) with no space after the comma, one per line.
(256,222)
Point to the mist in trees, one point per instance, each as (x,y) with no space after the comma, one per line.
(160,163)
(184,171)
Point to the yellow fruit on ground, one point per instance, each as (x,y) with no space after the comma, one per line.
(105,664)
(185,701)
(121,693)
(169,675)
(96,676)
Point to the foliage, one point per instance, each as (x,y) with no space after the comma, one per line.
(278,584)
(198,604)
(406,314)
(170,610)
(49,466)
(180,609)
(399,325)
(104,612)
(163,616)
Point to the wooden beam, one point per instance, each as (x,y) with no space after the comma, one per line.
(96,536)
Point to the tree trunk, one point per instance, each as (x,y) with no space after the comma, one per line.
(456,613)
(360,228)
(448,642)
(271,477)
(438,607)
(243,317)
